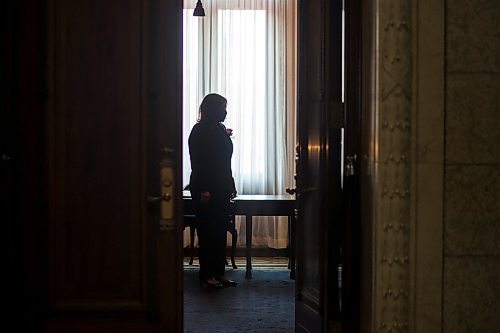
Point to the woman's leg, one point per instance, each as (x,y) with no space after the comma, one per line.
(203,248)
(212,235)
(220,247)
(205,238)
(220,237)
(220,267)
(212,240)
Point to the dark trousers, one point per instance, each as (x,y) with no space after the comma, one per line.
(212,236)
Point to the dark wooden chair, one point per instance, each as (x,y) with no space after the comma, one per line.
(192,222)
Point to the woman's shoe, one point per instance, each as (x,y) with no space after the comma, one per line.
(212,284)
(227,283)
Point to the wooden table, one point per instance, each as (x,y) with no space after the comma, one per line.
(260,205)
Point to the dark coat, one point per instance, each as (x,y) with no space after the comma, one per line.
(211,149)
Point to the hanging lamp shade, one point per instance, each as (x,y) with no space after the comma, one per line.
(199,11)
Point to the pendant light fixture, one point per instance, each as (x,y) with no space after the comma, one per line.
(199,11)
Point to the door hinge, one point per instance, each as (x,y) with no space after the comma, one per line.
(349,165)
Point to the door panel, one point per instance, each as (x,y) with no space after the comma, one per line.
(318,174)
(113,106)
(97,216)
(310,255)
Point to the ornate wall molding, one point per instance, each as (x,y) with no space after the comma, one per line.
(393,165)
(408,163)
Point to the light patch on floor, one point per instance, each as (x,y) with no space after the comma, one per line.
(258,263)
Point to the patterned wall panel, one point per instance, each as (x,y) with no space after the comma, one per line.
(472,208)
(393,165)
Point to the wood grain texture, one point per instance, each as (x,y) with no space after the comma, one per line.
(96,144)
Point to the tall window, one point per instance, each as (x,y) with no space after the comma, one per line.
(245,50)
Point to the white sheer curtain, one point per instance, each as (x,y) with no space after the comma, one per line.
(245,50)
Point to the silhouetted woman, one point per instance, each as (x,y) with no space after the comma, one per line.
(212,187)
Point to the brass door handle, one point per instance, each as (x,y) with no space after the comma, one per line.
(165,200)
(293,191)
(164,197)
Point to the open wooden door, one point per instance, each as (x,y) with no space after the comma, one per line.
(114,166)
(319,165)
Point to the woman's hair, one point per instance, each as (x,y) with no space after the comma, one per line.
(210,105)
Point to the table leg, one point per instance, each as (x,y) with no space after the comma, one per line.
(292,221)
(248,223)
(289,243)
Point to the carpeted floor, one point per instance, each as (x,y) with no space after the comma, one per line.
(264,304)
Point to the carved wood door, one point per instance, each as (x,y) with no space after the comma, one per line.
(114,166)
(319,164)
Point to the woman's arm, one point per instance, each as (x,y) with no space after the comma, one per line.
(199,151)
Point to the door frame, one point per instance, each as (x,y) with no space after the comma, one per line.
(24,61)
(31,219)
(353,136)
(343,208)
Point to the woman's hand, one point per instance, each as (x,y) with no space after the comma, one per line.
(205,197)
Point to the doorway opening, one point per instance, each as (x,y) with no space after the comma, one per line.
(247,52)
